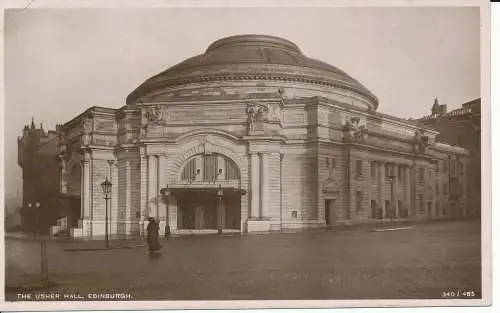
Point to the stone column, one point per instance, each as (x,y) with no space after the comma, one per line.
(113,197)
(85,187)
(128,200)
(369,185)
(152,195)
(395,196)
(264,185)
(157,186)
(413,186)
(114,201)
(254,166)
(381,180)
(408,190)
(144,190)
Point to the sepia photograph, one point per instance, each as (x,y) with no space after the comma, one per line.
(253,156)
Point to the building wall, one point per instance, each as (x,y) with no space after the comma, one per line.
(305,156)
(462,127)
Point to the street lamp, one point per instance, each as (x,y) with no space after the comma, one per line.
(220,194)
(43,247)
(391,177)
(106,189)
(33,221)
(165,192)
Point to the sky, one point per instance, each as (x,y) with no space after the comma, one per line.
(58,62)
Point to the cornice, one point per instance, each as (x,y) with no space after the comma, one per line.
(366,147)
(281,77)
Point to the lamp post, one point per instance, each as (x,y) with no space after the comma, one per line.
(165,192)
(33,222)
(43,247)
(220,194)
(106,189)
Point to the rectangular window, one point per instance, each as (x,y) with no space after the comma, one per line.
(373,169)
(359,198)
(445,189)
(359,168)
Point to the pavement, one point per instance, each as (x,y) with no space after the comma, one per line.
(421,262)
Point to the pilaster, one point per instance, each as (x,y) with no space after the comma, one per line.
(408,190)
(381,182)
(85,195)
(152,187)
(255,199)
(395,196)
(264,182)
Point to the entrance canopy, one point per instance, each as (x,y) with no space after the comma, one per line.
(205,188)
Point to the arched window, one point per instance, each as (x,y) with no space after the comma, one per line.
(210,167)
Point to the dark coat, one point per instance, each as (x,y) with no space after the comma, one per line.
(153,238)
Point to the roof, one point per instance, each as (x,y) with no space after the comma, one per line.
(471,107)
(251,57)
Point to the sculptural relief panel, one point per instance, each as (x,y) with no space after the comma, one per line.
(104,125)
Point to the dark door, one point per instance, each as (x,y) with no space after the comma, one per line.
(330,211)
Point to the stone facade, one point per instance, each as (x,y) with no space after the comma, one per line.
(295,145)
(461,127)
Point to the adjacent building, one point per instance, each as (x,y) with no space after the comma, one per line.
(461,127)
(249,136)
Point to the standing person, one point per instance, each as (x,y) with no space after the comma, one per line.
(153,235)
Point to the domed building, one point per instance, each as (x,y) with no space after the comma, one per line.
(251,136)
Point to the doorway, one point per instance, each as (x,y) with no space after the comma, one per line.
(330,216)
(197,209)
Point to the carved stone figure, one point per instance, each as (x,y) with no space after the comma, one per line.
(143,131)
(256,115)
(87,125)
(360,134)
(157,114)
(420,142)
(348,131)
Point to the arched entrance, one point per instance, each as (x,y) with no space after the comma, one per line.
(208,193)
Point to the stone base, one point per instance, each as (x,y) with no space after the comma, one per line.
(301,225)
(258,226)
(91,228)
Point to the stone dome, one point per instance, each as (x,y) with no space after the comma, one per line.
(257,59)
